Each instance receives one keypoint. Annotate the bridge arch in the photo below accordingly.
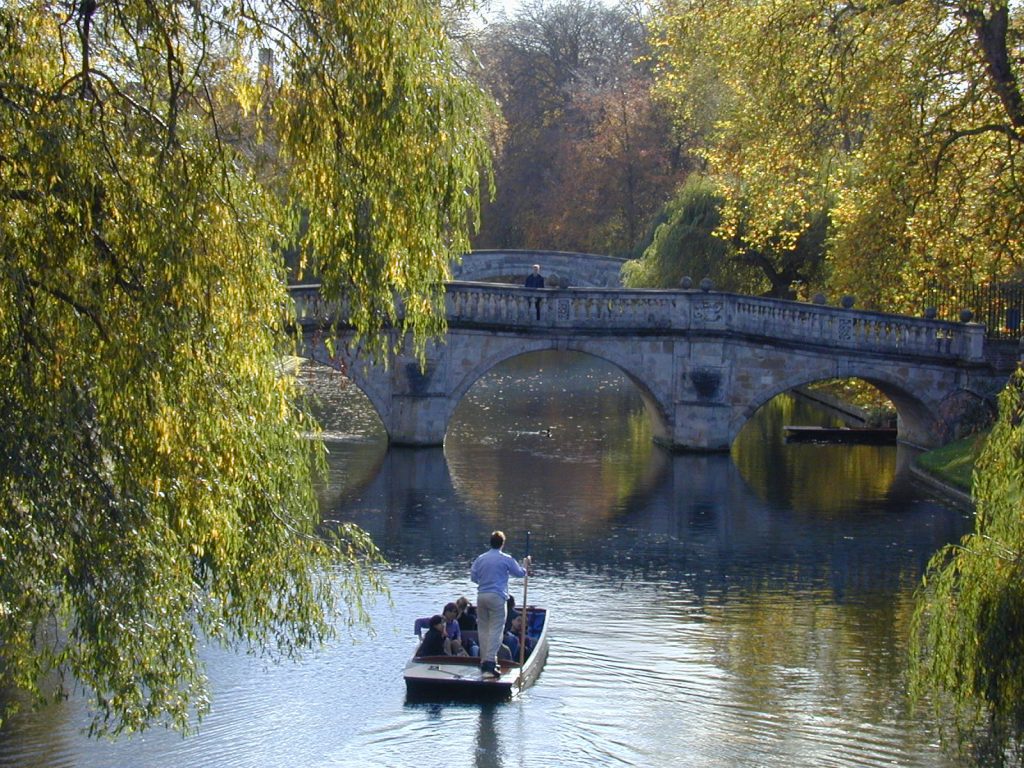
(658, 408)
(368, 381)
(655, 409)
(348, 364)
(921, 421)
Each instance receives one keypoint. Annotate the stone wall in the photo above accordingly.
(560, 268)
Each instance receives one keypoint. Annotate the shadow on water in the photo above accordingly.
(489, 748)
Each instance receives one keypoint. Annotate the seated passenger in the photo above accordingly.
(435, 642)
(450, 614)
(512, 638)
(510, 612)
(467, 615)
(420, 626)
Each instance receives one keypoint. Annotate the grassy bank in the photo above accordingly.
(954, 463)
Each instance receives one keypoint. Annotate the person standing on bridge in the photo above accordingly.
(535, 280)
(490, 573)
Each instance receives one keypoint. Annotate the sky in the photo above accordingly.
(511, 6)
(497, 6)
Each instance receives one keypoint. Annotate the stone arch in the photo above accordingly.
(652, 404)
(918, 422)
(343, 361)
(658, 410)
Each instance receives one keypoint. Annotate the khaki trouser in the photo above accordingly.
(490, 622)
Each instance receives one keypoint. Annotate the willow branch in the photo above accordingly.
(82, 309)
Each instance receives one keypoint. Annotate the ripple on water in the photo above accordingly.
(707, 612)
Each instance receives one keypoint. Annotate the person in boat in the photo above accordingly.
(491, 572)
(435, 642)
(467, 614)
(513, 635)
(510, 612)
(451, 622)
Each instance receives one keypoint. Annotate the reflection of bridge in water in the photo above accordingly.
(696, 519)
(703, 361)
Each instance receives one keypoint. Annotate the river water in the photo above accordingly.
(744, 609)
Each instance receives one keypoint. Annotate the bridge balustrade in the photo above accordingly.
(647, 312)
(854, 329)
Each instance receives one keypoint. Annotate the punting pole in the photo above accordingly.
(524, 616)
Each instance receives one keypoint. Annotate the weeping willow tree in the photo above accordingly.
(967, 648)
(685, 243)
(155, 475)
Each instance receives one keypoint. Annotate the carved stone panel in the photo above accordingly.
(706, 381)
(563, 308)
(708, 311)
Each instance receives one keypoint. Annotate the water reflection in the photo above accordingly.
(488, 752)
(815, 478)
(552, 434)
(708, 610)
(696, 522)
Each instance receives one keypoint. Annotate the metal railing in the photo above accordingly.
(998, 306)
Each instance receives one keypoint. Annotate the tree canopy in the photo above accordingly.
(689, 240)
(899, 124)
(155, 467)
(898, 127)
(967, 648)
(587, 156)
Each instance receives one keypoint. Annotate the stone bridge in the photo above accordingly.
(584, 270)
(703, 362)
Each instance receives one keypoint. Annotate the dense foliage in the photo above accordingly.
(896, 130)
(689, 239)
(155, 466)
(968, 642)
(685, 243)
(586, 154)
(899, 125)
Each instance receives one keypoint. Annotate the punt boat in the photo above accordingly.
(458, 677)
(862, 435)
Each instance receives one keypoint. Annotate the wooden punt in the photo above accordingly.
(862, 435)
(458, 677)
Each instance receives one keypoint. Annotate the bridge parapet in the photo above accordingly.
(579, 269)
(646, 312)
(666, 311)
(855, 329)
(584, 309)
